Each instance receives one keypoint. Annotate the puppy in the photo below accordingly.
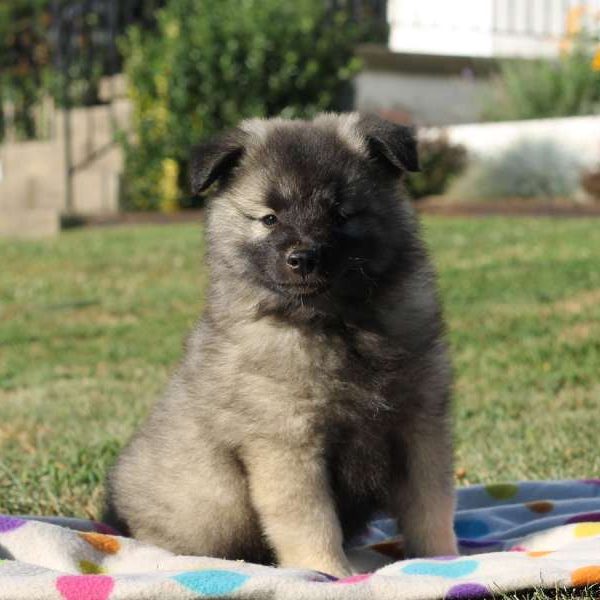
(315, 389)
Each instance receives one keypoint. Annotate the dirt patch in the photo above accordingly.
(575, 304)
(143, 218)
(435, 205)
(439, 205)
(579, 332)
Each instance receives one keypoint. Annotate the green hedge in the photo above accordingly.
(534, 89)
(441, 162)
(24, 56)
(215, 62)
(28, 71)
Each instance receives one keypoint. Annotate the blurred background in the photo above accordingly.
(100, 102)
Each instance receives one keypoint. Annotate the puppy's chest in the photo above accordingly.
(317, 370)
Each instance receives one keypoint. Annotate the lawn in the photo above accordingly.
(92, 323)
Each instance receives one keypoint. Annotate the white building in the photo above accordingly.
(437, 65)
(487, 28)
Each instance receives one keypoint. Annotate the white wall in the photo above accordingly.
(459, 27)
(482, 27)
(580, 134)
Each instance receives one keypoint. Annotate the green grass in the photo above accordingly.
(92, 323)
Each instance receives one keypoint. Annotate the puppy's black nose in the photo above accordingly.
(303, 261)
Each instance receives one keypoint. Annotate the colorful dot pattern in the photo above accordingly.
(540, 507)
(89, 568)
(530, 532)
(471, 528)
(88, 587)
(10, 523)
(586, 576)
(212, 582)
(101, 542)
(360, 578)
(586, 530)
(448, 570)
(462, 591)
(502, 491)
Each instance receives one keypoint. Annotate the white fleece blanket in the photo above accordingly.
(512, 537)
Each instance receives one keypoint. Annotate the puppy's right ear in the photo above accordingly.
(215, 159)
(395, 144)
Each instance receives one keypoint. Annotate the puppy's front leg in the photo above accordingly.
(291, 494)
(424, 498)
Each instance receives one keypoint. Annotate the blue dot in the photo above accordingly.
(471, 528)
(450, 569)
(211, 582)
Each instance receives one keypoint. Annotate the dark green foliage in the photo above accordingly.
(24, 57)
(568, 85)
(215, 62)
(27, 64)
(440, 161)
(28, 59)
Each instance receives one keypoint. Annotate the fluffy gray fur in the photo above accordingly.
(305, 401)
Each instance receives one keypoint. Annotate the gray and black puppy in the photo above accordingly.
(315, 389)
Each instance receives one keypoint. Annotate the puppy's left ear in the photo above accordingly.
(396, 144)
(215, 159)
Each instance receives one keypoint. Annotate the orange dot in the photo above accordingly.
(539, 553)
(586, 575)
(104, 543)
(540, 506)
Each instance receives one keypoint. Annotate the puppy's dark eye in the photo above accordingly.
(269, 220)
(342, 217)
(339, 218)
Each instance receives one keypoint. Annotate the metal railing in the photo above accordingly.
(83, 36)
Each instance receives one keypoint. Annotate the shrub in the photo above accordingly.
(527, 169)
(28, 58)
(214, 62)
(24, 58)
(441, 161)
(533, 89)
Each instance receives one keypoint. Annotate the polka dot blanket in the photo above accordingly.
(512, 537)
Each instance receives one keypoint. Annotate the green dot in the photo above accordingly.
(502, 491)
(90, 568)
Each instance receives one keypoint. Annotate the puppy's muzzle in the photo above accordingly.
(302, 261)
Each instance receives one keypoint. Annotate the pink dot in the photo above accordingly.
(90, 587)
(354, 578)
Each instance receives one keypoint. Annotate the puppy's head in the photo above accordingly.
(309, 209)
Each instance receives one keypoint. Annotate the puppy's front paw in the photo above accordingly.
(443, 544)
(338, 569)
